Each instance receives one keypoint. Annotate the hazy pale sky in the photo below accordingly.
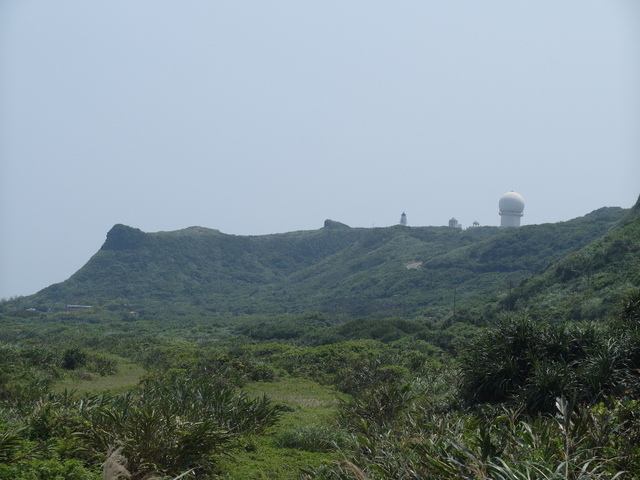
(257, 117)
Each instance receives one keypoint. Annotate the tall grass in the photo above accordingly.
(314, 438)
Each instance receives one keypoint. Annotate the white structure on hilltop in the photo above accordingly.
(403, 219)
(454, 223)
(511, 206)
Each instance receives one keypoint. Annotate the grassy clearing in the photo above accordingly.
(311, 402)
(269, 462)
(262, 459)
(128, 375)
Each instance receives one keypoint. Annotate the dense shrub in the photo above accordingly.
(531, 363)
(73, 358)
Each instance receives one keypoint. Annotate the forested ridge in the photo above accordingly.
(501, 354)
(336, 269)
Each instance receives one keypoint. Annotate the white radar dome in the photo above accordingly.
(511, 202)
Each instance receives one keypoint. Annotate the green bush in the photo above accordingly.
(47, 470)
(73, 358)
(525, 362)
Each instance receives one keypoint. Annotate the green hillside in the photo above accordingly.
(372, 275)
(588, 283)
(352, 271)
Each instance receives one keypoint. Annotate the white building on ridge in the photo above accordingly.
(511, 206)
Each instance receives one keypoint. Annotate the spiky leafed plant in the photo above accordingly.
(9, 442)
(169, 428)
(227, 408)
(604, 371)
(630, 308)
(499, 361)
(379, 405)
(546, 382)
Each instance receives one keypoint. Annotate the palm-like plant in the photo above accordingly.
(172, 426)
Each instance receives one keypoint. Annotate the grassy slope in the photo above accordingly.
(128, 375)
(589, 283)
(312, 404)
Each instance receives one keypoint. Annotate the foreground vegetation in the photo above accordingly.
(383, 399)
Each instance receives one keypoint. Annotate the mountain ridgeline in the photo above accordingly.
(392, 271)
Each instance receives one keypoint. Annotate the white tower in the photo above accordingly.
(511, 207)
(403, 219)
